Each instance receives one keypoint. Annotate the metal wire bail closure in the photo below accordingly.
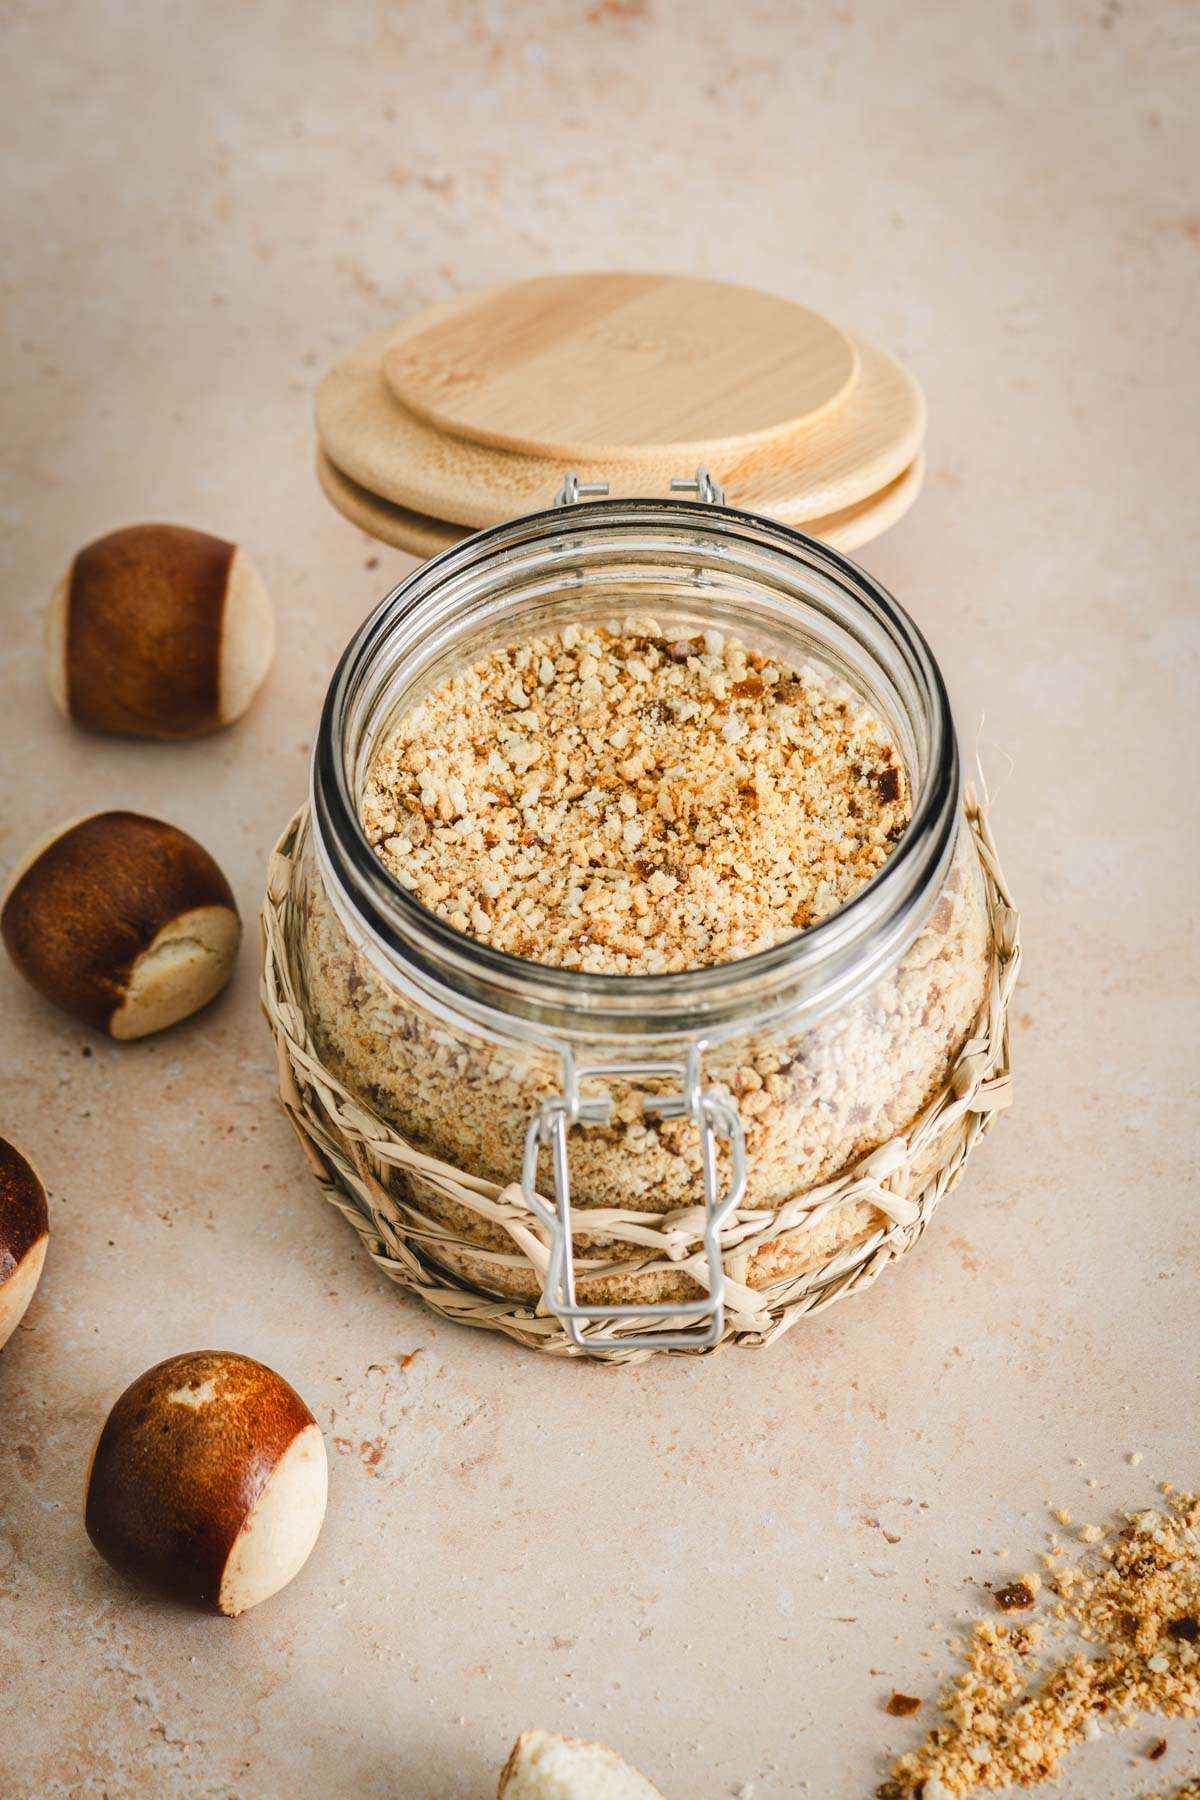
(715, 1117)
(701, 484)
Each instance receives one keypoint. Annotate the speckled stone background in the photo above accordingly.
(723, 1567)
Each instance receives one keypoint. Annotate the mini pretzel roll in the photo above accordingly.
(158, 631)
(208, 1482)
(122, 920)
(543, 1766)
(24, 1235)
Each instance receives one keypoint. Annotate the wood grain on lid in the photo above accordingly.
(419, 535)
(415, 533)
(846, 456)
(619, 365)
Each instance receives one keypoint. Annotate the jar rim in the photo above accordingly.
(848, 948)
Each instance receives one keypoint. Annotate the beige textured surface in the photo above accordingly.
(693, 1563)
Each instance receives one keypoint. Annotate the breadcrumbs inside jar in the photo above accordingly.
(623, 802)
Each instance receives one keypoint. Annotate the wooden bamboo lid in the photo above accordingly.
(619, 367)
(413, 532)
(422, 536)
(469, 413)
(842, 457)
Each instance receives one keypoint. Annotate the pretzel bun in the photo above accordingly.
(543, 1766)
(123, 921)
(208, 1482)
(24, 1235)
(158, 631)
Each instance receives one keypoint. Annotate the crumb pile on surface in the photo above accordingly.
(1024, 1700)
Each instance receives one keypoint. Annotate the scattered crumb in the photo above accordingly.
(1016, 1597)
(1090, 1534)
(902, 1706)
(1134, 1457)
(1157, 1749)
(1027, 1696)
(1062, 1515)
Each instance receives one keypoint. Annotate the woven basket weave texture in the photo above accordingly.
(376, 1179)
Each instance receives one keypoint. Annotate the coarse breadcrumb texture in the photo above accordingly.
(543, 1766)
(1013, 1715)
(619, 801)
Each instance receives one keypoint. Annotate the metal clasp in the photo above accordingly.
(573, 490)
(701, 484)
(715, 1118)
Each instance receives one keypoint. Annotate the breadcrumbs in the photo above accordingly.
(1015, 1712)
(1016, 1597)
(621, 802)
(902, 1706)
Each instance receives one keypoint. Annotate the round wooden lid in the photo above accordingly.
(597, 367)
(422, 536)
(833, 462)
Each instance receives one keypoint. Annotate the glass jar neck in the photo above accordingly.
(699, 566)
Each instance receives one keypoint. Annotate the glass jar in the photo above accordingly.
(698, 1125)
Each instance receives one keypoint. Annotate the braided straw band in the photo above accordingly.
(376, 1179)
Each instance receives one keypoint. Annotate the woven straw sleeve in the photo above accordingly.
(855, 1129)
